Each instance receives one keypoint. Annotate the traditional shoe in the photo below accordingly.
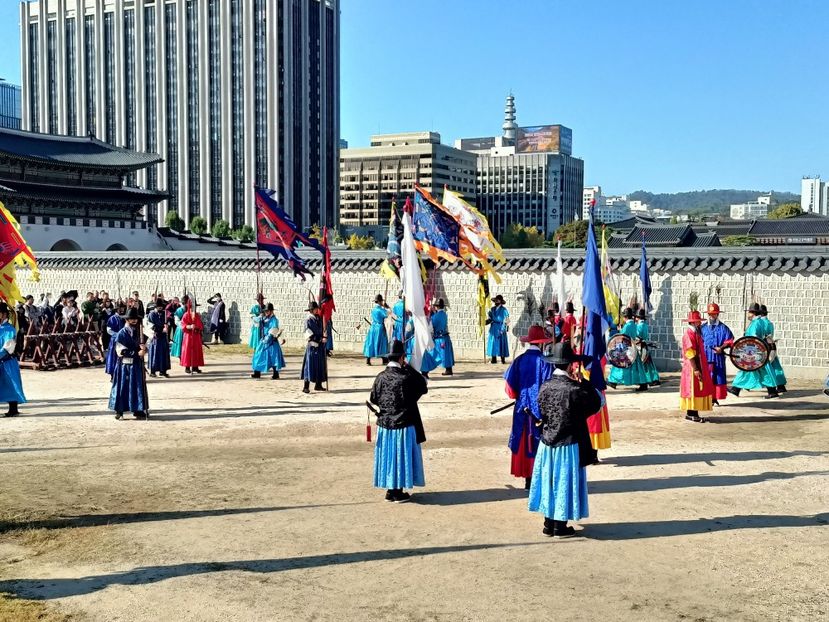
(187, 370)
(402, 497)
(448, 372)
(734, 391)
(152, 374)
(389, 495)
(493, 360)
(781, 388)
(696, 419)
(256, 374)
(119, 416)
(826, 392)
(306, 390)
(715, 402)
(548, 531)
(641, 388)
(527, 482)
(165, 375)
(771, 396)
(196, 370)
(140, 416)
(612, 385)
(275, 375)
(11, 414)
(656, 383)
(564, 532)
(368, 362)
(319, 387)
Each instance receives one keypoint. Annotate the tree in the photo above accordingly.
(739, 240)
(785, 210)
(243, 234)
(519, 236)
(316, 232)
(198, 225)
(174, 221)
(221, 229)
(574, 234)
(359, 242)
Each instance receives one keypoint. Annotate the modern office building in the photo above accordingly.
(591, 196)
(9, 105)
(814, 196)
(527, 175)
(753, 209)
(231, 93)
(372, 177)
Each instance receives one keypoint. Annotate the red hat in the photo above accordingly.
(694, 318)
(536, 334)
(713, 308)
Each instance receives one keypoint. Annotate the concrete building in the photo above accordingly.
(814, 195)
(591, 195)
(9, 105)
(638, 207)
(752, 209)
(231, 93)
(372, 177)
(527, 175)
(612, 209)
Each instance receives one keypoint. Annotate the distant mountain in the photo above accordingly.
(706, 200)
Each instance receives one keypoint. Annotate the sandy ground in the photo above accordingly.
(247, 500)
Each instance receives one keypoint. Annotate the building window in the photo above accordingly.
(215, 86)
(109, 78)
(34, 79)
(238, 110)
(71, 79)
(172, 108)
(52, 74)
(89, 70)
(193, 172)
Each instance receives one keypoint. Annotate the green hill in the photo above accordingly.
(706, 200)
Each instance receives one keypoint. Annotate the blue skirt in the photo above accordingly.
(158, 358)
(497, 344)
(398, 462)
(559, 484)
(629, 376)
(128, 391)
(178, 337)
(111, 358)
(314, 367)
(444, 351)
(11, 386)
(254, 340)
(776, 370)
(757, 380)
(377, 343)
(267, 356)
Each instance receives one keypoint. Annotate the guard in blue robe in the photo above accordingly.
(716, 336)
(377, 342)
(444, 353)
(178, 335)
(429, 360)
(158, 354)
(255, 316)
(497, 344)
(268, 353)
(11, 385)
(758, 379)
(114, 324)
(314, 365)
(774, 360)
(398, 311)
(635, 374)
(129, 387)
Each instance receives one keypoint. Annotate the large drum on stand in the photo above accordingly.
(620, 351)
(749, 353)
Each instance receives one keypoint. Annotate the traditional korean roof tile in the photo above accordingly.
(79, 194)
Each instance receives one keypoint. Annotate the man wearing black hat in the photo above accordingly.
(159, 346)
(774, 360)
(758, 379)
(570, 322)
(218, 319)
(497, 344)
(129, 388)
(554, 324)
(314, 365)
(559, 481)
(11, 385)
(398, 462)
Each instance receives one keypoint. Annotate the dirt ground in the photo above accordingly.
(247, 500)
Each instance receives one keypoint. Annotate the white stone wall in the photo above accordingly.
(798, 303)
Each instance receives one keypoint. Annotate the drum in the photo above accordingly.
(620, 351)
(749, 353)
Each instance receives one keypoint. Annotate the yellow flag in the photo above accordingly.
(13, 252)
(611, 297)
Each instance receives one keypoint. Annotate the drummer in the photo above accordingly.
(635, 374)
(717, 337)
(763, 377)
(643, 334)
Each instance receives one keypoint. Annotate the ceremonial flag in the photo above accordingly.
(645, 277)
(476, 240)
(595, 324)
(611, 298)
(435, 232)
(560, 280)
(279, 235)
(413, 295)
(326, 295)
(483, 302)
(390, 267)
(13, 252)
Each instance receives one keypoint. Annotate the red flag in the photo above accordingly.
(326, 296)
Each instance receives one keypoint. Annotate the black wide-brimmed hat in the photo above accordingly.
(569, 308)
(628, 313)
(499, 298)
(440, 304)
(160, 303)
(132, 314)
(269, 306)
(556, 308)
(378, 299)
(398, 350)
(562, 354)
(764, 310)
(312, 306)
(754, 308)
(4, 308)
(641, 313)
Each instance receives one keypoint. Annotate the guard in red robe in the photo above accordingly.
(570, 323)
(192, 348)
(696, 389)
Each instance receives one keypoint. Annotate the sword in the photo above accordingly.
(497, 410)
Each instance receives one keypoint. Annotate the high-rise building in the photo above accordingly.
(527, 175)
(9, 105)
(814, 195)
(372, 177)
(591, 196)
(231, 93)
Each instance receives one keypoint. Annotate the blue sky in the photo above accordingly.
(661, 95)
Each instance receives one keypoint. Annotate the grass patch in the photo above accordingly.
(14, 609)
(233, 349)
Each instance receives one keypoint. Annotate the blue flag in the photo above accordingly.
(595, 313)
(645, 277)
(436, 231)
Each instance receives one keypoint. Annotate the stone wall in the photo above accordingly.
(795, 287)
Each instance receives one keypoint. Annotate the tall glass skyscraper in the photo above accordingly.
(9, 105)
(232, 94)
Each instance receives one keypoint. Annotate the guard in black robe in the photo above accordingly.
(159, 346)
(314, 365)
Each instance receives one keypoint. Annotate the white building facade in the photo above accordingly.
(591, 195)
(752, 209)
(613, 209)
(231, 93)
(814, 196)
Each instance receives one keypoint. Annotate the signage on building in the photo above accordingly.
(544, 138)
(806, 240)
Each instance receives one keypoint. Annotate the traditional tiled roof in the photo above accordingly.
(721, 259)
(710, 238)
(803, 225)
(629, 223)
(71, 151)
(79, 194)
(662, 235)
(207, 240)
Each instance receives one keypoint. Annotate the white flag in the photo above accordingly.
(413, 294)
(560, 280)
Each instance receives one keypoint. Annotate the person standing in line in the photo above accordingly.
(178, 336)
(170, 318)
(398, 461)
(554, 324)
(635, 374)
(717, 337)
(192, 346)
(643, 336)
(696, 389)
(268, 353)
(159, 346)
(314, 365)
(114, 324)
(497, 344)
(256, 314)
(445, 353)
(774, 359)
(138, 304)
(11, 384)
(218, 319)
(570, 323)
(129, 388)
(559, 479)
(377, 342)
(524, 378)
(398, 313)
(758, 379)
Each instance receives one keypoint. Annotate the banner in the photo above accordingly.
(13, 252)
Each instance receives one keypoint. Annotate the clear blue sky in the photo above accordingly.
(661, 95)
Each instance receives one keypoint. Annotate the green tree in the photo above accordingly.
(316, 232)
(359, 242)
(243, 234)
(739, 240)
(785, 210)
(174, 221)
(221, 229)
(518, 236)
(574, 234)
(198, 225)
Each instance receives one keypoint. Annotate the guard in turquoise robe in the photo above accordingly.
(758, 379)
(255, 317)
(497, 344)
(377, 342)
(774, 359)
(643, 334)
(429, 362)
(444, 352)
(11, 385)
(268, 352)
(397, 311)
(635, 374)
(178, 336)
